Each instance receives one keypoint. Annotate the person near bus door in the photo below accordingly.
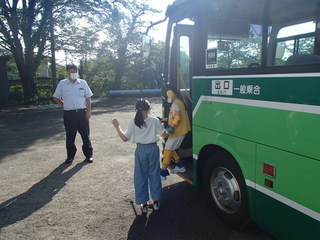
(144, 130)
(178, 127)
(74, 95)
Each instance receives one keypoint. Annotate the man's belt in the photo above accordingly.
(76, 110)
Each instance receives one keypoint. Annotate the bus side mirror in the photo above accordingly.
(280, 51)
(146, 45)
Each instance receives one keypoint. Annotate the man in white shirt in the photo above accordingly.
(74, 95)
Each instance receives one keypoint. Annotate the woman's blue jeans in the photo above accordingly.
(147, 173)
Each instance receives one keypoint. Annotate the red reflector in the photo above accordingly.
(269, 170)
(268, 183)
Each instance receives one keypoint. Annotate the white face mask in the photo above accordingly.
(169, 100)
(74, 75)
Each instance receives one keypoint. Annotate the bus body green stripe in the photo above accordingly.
(256, 103)
(260, 76)
(283, 222)
(261, 125)
(287, 88)
(307, 211)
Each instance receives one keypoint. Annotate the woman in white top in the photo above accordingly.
(144, 130)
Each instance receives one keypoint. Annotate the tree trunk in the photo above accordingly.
(120, 68)
(117, 80)
(28, 76)
(29, 85)
(53, 54)
(81, 69)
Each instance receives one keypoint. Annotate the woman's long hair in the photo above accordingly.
(141, 105)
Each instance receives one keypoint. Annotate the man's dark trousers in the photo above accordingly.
(75, 121)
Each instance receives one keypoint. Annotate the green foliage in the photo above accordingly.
(146, 73)
(44, 91)
(61, 72)
(16, 93)
(25, 29)
(124, 25)
(77, 41)
(241, 54)
(116, 60)
(12, 69)
(141, 73)
(99, 75)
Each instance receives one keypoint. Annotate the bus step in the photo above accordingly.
(188, 174)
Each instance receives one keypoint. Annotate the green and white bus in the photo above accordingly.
(249, 71)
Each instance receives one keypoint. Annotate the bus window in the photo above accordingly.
(287, 48)
(306, 45)
(237, 52)
(184, 65)
(297, 29)
(298, 39)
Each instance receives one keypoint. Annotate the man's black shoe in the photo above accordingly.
(89, 159)
(69, 160)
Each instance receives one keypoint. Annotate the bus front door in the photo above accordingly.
(181, 78)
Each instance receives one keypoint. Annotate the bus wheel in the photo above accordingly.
(227, 190)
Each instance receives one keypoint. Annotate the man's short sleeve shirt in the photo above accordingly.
(74, 95)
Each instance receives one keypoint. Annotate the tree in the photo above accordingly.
(100, 75)
(124, 26)
(25, 28)
(78, 42)
(140, 74)
(146, 73)
(240, 53)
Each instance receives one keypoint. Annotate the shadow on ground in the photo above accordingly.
(40, 194)
(22, 126)
(185, 214)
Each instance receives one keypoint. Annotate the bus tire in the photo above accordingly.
(227, 191)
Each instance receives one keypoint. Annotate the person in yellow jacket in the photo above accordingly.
(178, 127)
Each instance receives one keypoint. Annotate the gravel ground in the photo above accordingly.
(43, 198)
